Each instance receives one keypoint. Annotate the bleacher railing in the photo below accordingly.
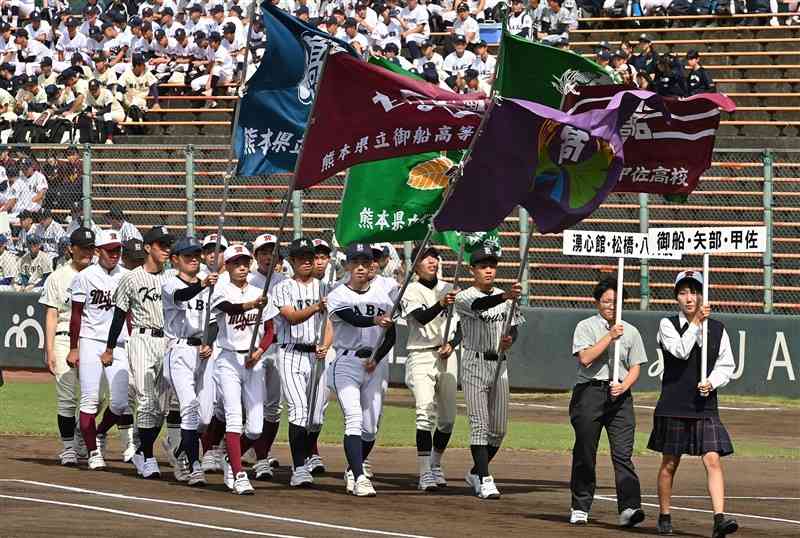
(181, 186)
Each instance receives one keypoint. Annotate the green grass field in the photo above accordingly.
(29, 409)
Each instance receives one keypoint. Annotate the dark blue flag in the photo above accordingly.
(278, 96)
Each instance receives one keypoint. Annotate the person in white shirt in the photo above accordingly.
(458, 61)
(70, 42)
(356, 40)
(519, 21)
(233, 43)
(387, 30)
(555, 22)
(36, 183)
(127, 231)
(103, 111)
(90, 21)
(466, 26)
(484, 63)
(168, 23)
(392, 54)
(366, 17)
(220, 68)
(39, 30)
(30, 53)
(429, 55)
(332, 27)
(414, 21)
(49, 231)
(138, 83)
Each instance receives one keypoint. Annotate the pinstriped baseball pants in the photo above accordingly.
(295, 368)
(487, 405)
(146, 356)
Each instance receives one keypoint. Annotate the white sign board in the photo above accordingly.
(692, 240)
(611, 245)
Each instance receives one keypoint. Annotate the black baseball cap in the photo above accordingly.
(147, 12)
(158, 234)
(21, 32)
(430, 250)
(186, 245)
(301, 247)
(229, 28)
(692, 54)
(134, 249)
(34, 239)
(115, 212)
(217, 9)
(603, 54)
(167, 11)
(379, 251)
(214, 36)
(82, 237)
(25, 214)
(484, 252)
(604, 45)
(460, 39)
(644, 38)
(358, 251)
(73, 22)
(462, 7)
(300, 11)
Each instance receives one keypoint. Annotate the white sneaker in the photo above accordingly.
(227, 475)
(363, 487)
(96, 461)
(578, 517)
(127, 455)
(168, 448)
(197, 476)
(209, 462)
(100, 441)
(241, 486)
(262, 470)
(150, 469)
(367, 469)
(69, 458)
(488, 489)
(138, 462)
(350, 481)
(315, 465)
(182, 471)
(630, 517)
(427, 482)
(301, 478)
(438, 476)
(474, 482)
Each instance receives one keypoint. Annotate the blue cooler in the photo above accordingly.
(491, 32)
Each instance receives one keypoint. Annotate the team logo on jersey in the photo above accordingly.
(368, 310)
(149, 294)
(241, 321)
(101, 299)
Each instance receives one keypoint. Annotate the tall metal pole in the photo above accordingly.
(456, 282)
(86, 186)
(524, 232)
(190, 218)
(297, 213)
(768, 158)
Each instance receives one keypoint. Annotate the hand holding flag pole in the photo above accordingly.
(316, 370)
(456, 281)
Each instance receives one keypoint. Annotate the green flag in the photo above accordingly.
(541, 73)
(471, 241)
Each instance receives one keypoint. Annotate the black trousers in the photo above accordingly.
(590, 410)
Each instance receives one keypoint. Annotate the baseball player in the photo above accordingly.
(209, 248)
(92, 312)
(184, 316)
(139, 294)
(358, 312)
(301, 301)
(431, 368)
(58, 308)
(483, 309)
(263, 247)
(238, 372)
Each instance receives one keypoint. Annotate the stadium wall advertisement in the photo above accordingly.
(766, 348)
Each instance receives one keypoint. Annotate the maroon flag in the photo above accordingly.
(366, 113)
(660, 157)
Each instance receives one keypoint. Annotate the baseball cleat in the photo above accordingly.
(262, 470)
(138, 462)
(96, 461)
(488, 489)
(474, 482)
(578, 517)
(350, 481)
(100, 441)
(438, 476)
(664, 525)
(227, 475)
(367, 469)
(168, 448)
(427, 482)
(69, 458)
(127, 455)
(209, 462)
(724, 527)
(273, 462)
(197, 477)
(630, 517)
(314, 465)
(301, 478)
(182, 471)
(241, 485)
(150, 469)
(363, 487)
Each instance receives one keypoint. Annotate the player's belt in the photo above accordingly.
(487, 355)
(363, 353)
(62, 333)
(157, 333)
(191, 341)
(302, 348)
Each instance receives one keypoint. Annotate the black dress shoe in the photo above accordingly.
(664, 525)
(724, 526)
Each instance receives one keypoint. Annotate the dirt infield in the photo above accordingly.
(35, 499)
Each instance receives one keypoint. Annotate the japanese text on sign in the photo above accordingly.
(709, 240)
(611, 244)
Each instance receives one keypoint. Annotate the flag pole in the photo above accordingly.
(704, 348)
(456, 278)
(287, 201)
(226, 179)
(617, 347)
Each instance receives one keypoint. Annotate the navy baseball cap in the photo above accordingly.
(359, 251)
(187, 245)
(485, 252)
(34, 240)
(430, 250)
(3, 239)
(158, 234)
(82, 237)
(134, 249)
(379, 251)
(301, 247)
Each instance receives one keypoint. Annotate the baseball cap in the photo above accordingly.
(45, 213)
(72, 22)
(180, 33)
(697, 276)
(76, 207)
(147, 12)
(82, 237)
(159, 34)
(94, 84)
(47, 60)
(214, 36)
(167, 11)
(264, 239)
(484, 252)
(35, 15)
(158, 234)
(25, 214)
(236, 251)
(134, 249)
(603, 55)
(235, 9)
(350, 23)
(115, 212)
(186, 245)
(301, 10)
(604, 45)
(459, 39)
(379, 250)
(135, 21)
(34, 239)
(108, 239)
(300, 247)
(229, 28)
(217, 9)
(692, 54)
(211, 239)
(21, 32)
(320, 245)
(462, 7)
(358, 251)
(7, 67)
(644, 38)
(481, 44)
(391, 47)
(3, 239)
(430, 250)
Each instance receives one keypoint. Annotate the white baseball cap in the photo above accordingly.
(211, 239)
(694, 275)
(236, 251)
(264, 239)
(319, 244)
(108, 239)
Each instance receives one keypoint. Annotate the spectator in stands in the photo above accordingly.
(34, 266)
(392, 53)
(697, 78)
(645, 60)
(387, 29)
(619, 61)
(484, 64)
(9, 264)
(519, 20)
(76, 219)
(604, 59)
(555, 22)
(65, 179)
(356, 40)
(133, 254)
(366, 17)
(138, 83)
(220, 69)
(36, 182)
(29, 53)
(126, 230)
(103, 113)
(667, 81)
(458, 61)
(70, 42)
(643, 81)
(466, 26)
(63, 254)
(46, 74)
(24, 232)
(475, 84)
(414, 22)
(17, 197)
(39, 29)
(49, 231)
(429, 55)
(6, 77)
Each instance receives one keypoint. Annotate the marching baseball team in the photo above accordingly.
(176, 343)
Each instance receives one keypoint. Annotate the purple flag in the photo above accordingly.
(559, 167)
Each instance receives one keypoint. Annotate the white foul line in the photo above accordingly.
(777, 519)
(146, 516)
(216, 509)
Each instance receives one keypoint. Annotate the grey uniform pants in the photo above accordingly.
(487, 404)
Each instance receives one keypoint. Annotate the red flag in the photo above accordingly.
(366, 113)
(660, 157)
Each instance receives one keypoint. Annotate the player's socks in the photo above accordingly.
(492, 451)
(354, 454)
(313, 437)
(480, 455)
(366, 448)
(108, 421)
(147, 438)
(233, 441)
(190, 445)
(174, 429)
(424, 446)
(298, 444)
(213, 434)
(66, 427)
(89, 431)
(269, 433)
(440, 442)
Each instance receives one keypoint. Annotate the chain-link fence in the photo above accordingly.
(182, 187)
